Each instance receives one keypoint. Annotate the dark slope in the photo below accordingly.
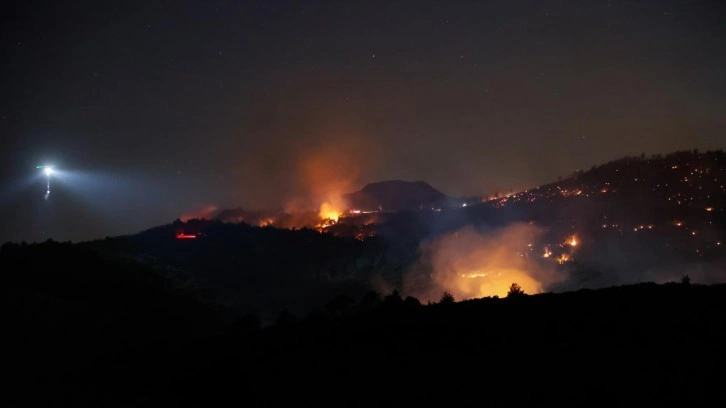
(633, 345)
(68, 309)
(257, 270)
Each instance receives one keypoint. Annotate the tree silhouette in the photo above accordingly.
(515, 290)
(446, 298)
(411, 301)
(394, 299)
(339, 305)
(370, 300)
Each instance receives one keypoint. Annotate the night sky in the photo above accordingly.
(154, 110)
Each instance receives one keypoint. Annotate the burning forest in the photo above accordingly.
(633, 219)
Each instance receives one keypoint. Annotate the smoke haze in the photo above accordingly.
(470, 264)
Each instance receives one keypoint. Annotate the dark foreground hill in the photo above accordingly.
(88, 330)
(259, 270)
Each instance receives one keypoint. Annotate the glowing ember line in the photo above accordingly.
(475, 275)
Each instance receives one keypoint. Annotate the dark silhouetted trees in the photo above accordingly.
(446, 298)
(515, 290)
(394, 299)
(339, 305)
(371, 300)
(411, 301)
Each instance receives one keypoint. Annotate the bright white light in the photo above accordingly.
(48, 171)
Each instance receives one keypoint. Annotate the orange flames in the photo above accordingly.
(572, 241)
(329, 212)
(325, 174)
(566, 256)
(266, 222)
(563, 258)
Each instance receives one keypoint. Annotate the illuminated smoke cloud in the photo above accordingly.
(474, 264)
(325, 174)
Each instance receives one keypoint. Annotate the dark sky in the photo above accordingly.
(155, 109)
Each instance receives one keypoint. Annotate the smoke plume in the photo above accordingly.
(470, 264)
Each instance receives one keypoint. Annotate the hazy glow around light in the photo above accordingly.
(48, 170)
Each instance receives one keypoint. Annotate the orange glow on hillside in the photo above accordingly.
(325, 174)
(266, 222)
(181, 235)
(494, 282)
(329, 212)
(206, 212)
(472, 264)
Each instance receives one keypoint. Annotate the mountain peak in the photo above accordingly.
(395, 195)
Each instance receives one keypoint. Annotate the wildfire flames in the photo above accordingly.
(266, 222)
(563, 258)
(322, 175)
(329, 212)
(568, 247)
(325, 173)
(572, 241)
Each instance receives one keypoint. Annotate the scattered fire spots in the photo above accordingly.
(266, 222)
